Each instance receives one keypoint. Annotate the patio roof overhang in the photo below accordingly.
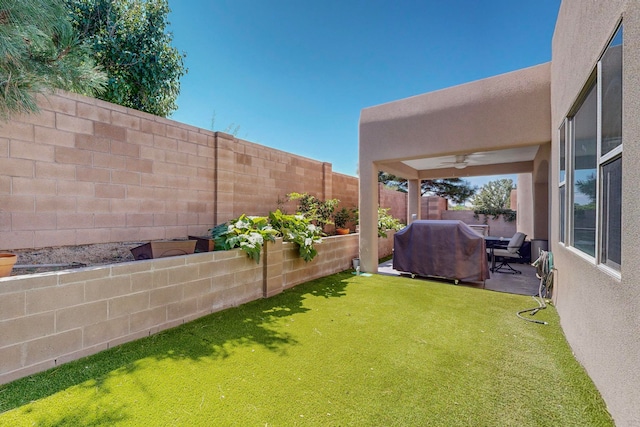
(488, 127)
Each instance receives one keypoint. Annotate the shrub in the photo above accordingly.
(387, 222)
(246, 232)
(314, 209)
(299, 230)
(250, 232)
(341, 218)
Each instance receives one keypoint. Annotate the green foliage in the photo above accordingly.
(314, 209)
(588, 187)
(342, 217)
(299, 230)
(386, 222)
(40, 52)
(508, 214)
(494, 195)
(250, 232)
(131, 43)
(245, 232)
(455, 189)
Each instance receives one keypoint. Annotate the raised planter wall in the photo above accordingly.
(51, 318)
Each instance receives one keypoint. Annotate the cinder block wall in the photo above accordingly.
(334, 254)
(86, 171)
(51, 318)
(497, 227)
(432, 207)
(395, 200)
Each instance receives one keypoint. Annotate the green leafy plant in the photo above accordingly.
(299, 230)
(342, 217)
(508, 214)
(250, 232)
(41, 52)
(386, 222)
(314, 209)
(131, 42)
(245, 232)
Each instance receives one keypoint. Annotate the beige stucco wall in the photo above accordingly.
(524, 204)
(598, 311)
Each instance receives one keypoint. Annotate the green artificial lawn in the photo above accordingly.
(341, 350)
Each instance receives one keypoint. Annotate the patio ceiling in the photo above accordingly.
(507, 161)
(487, 127)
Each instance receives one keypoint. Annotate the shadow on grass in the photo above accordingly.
(214, 337)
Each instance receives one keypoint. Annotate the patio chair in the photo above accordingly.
(509, 253)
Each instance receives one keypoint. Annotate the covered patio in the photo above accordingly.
(499, 125)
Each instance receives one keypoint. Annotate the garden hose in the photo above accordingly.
(544, 271)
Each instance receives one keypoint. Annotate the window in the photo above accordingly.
(590, 175)
(562, 192)
(611, 154)
(584, 162)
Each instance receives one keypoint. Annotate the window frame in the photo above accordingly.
(566, 130)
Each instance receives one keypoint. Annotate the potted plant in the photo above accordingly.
(340, 219)
(7, 260)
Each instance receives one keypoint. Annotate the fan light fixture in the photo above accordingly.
(460, 165)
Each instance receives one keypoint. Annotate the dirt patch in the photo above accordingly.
(52, 259)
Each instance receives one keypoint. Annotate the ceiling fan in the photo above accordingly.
(463, 160)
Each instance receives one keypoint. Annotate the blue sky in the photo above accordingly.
(295, 74)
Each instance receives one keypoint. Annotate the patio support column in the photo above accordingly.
(368, 217)
(414, 200)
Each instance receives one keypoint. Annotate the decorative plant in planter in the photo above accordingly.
(245, 232)
(386, 222)
(314, 209)
(340, 219)
(250, 232)
(299, 230)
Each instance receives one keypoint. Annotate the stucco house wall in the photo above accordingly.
(598, 311)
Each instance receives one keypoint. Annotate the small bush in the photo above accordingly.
(387, 222)
(299, 230)
(245, 232)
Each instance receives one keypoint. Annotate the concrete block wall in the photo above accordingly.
(334, 254)
(497, 227)
(51, 318)
(86, 171)
(345, 189)
(262, 175)
(432, 207)
(385, 246)
(395, 200)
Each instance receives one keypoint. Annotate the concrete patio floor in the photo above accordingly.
(522, 284)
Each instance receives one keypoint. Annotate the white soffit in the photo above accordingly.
(511, 155)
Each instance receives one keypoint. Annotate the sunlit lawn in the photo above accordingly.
(342, 350)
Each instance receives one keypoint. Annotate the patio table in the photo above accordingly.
(492, 242)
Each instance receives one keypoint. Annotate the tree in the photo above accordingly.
(494, 195)
(455, 189)
(40, 52)
(587, 187)
(131, 43)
